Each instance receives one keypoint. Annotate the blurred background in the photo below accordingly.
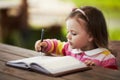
(21, 21)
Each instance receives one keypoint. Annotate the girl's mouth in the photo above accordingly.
(70, 43)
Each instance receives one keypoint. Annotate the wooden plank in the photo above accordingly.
(4, 56)
(95, 74)
(87, 75)
(80, 76)
(17, 50)
(110, 73)
(8, 77)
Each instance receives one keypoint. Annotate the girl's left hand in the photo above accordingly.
(89, 63)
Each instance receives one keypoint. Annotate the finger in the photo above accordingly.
(43, 44)
(40, 46)
(37, 45)
(38, 49)
(92, 64)
(87, 62)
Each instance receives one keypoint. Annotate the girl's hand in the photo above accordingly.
(89, 63)
(39, 45)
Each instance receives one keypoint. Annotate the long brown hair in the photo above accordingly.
(96, 24)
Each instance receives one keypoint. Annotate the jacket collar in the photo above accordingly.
(90, 52)
(95, 51)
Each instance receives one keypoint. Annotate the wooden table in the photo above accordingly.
(8, 52)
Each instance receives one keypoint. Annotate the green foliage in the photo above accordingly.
(110, 6)
(114, 34)
(100, 3)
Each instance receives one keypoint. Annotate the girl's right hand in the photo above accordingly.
(39, 45)
(89, 63)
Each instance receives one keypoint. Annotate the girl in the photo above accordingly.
(87, 39)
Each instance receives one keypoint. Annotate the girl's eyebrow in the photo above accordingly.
(72, 30)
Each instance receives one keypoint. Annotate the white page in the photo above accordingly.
(25, 62)
(60, 64)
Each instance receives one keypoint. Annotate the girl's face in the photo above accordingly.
(77, 35)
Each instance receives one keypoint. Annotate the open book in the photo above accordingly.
(55, 66)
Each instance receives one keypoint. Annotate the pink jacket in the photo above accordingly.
(101, 56)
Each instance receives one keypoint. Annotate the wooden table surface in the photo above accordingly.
(8, 52)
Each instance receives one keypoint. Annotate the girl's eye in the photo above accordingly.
(73, 33)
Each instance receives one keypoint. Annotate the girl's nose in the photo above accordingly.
(68, 36)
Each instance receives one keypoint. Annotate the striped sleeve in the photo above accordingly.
(54, 46)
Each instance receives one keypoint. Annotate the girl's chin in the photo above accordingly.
(72, 47)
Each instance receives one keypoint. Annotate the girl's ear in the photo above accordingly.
(90, 38)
